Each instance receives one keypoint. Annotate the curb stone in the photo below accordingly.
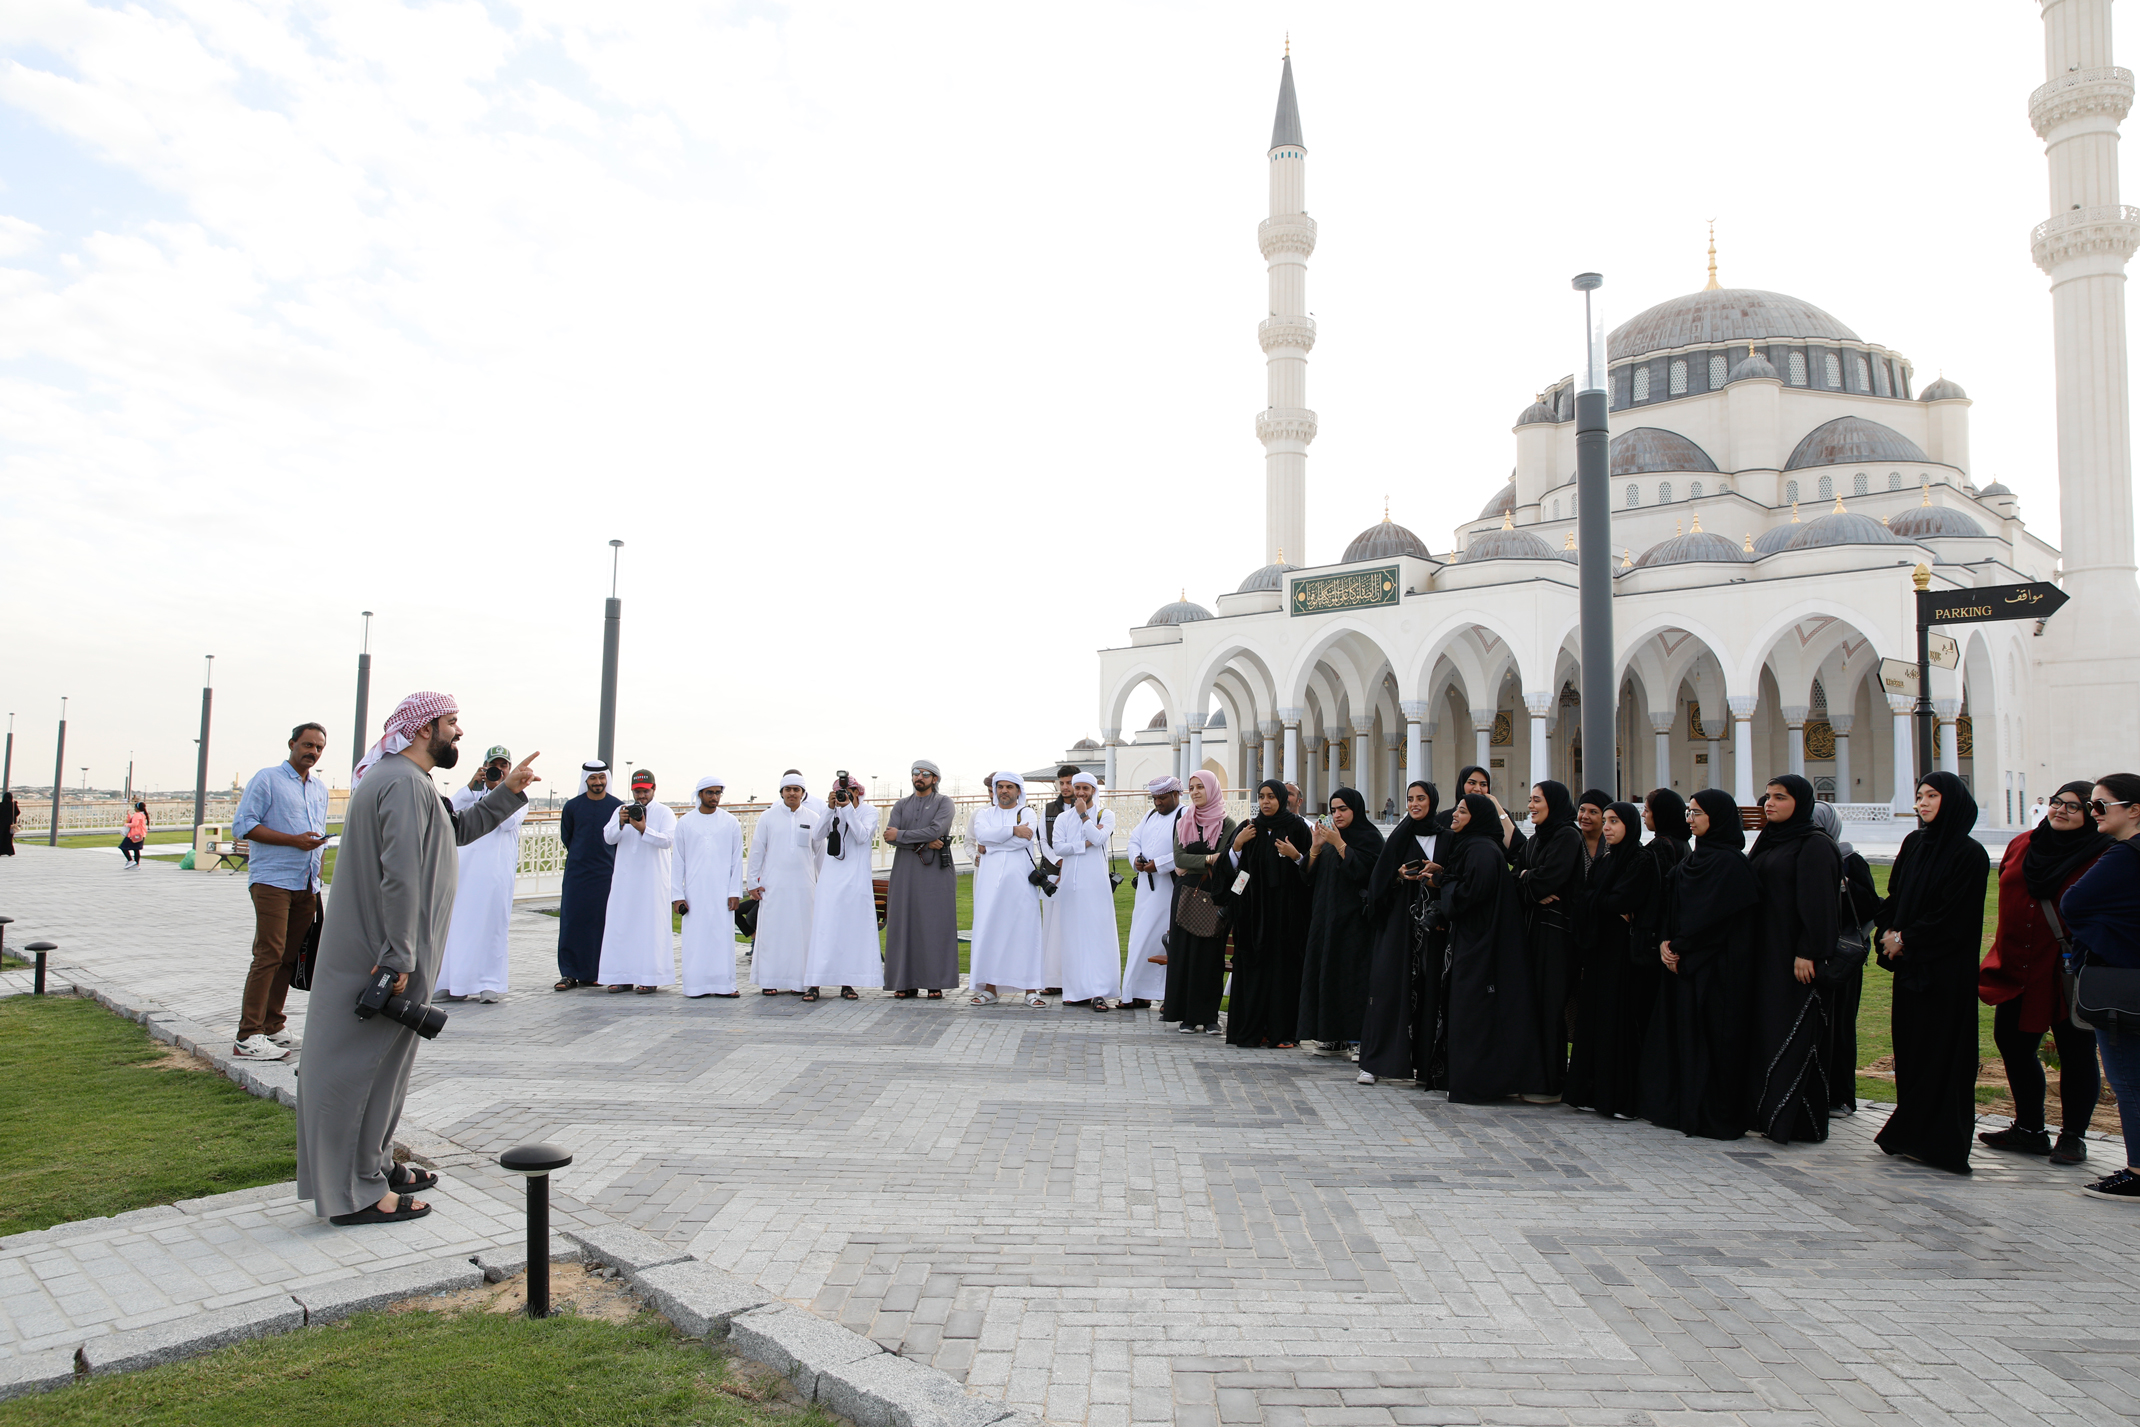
(797, 1345)
(624, 1249)
(341, 1297)
(193, 1334)
(36, 1372)
(697, 1297)
(890, 1391)
(501, 1264)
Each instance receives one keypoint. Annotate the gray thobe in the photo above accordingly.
(391, 902)
(921, 915)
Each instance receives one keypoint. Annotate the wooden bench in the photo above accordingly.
(231, 855)
(883, 888)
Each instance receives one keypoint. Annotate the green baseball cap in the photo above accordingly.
(497, 750)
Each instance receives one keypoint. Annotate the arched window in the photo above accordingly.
(1642, 384)
(1827, 487)
(1832, 368)
(1790, 492)
(1556, 510)
(1634, 495)
(1679, 377)
(1694, 492)
(1880, 386)
(1863, 370)
(1798, 369)
(1719, 369)
(1664, 492)
(1894, 480)
(1860, 483)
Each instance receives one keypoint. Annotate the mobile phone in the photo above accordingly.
(1417, 864)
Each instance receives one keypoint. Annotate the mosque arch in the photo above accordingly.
(1128, 683)
(1342, 644)
(1457, 638)
(1252, 662)
(1766, 636)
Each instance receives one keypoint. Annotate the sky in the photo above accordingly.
(911, 350)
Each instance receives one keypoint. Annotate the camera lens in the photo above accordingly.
(426, 1021)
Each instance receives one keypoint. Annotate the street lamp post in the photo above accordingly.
(7, 769)
(364, 692)
(200, 769)
(612, 625)
(59, 775)
(1594, 542)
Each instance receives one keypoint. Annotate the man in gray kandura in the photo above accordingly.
(394, 881)
(921, 916)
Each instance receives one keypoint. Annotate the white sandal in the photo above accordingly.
(983, 998)
(1035, 1000)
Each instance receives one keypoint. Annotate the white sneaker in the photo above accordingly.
(490, 998)
(285, 1040)
(259, 1048)
(1364, 1078)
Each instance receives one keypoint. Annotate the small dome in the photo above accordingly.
(1159, 720)
(1994, 491)
(1693, 546)
(1842, 527)
(1929, 521)
(1217, 720)
(1379, 542)
(1270, 577)
(1084, 743)
(1509, 544)
(1536, 413)
(1725, 314)
(1769, 541)
(1652, 448)
(1753, 364)
(1849, 440)
(1181, 611)
(1503, 502)
(1943, 390)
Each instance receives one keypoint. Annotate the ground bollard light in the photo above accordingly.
(40, 948)
(5, 923)
(536, 1162)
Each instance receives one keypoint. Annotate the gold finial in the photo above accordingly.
(1922, 577)
(1627, 557)
(1712, 284)
(1288, 44)
(1185, 594)
(1697, 524)
(1569, 543)
(1385, 507)
(1748, 545)
(1794, 512)
(1926, 487)
(1281, 554)
(1508, 520)
(1676, 530)
(1838, 505)
(1749, 349)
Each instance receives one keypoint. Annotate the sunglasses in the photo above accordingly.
(2100, 807)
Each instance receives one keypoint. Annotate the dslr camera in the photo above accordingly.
(378, 999)
(845, 789)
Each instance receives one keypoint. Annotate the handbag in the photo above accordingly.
(308, 950)
(1196, 911)
(1853, 939)
(2106, 999)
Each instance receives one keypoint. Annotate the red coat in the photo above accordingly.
(2023, 960)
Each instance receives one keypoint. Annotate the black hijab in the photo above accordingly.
(1714, 882)
(1401, 847)
(1463, 776)
(1669, 811)
(1615, 861)
(1485, 821)
(1937, 845)
(1798, 825)
(1290, 827)
(1560, 808)
(1363, 838)
(2053, 856)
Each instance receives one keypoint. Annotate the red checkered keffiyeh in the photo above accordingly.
(408, 716)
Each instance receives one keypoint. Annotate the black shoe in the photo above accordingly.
(2018, 1140)
(2070, 1149)
(2122, 1185)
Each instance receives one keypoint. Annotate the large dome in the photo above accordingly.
(1850, 441)
(1270, 577)
(1503, 502)
(1509, 544)
(1842, 527)
(1725, 314)
(1379, 542)
(1776, 537)
(1652, 448)
(1931, 521)
(1179, 612)
(1695, 545)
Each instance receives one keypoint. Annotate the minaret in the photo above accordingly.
(1285, 426)
(2090, 671)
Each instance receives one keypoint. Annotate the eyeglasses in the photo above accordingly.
(2067, 805)
(2101, 807)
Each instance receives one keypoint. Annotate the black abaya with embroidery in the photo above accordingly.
(1612, 1005)
(1405, 973)
(1341, 930)
(1694, 1062)
(1936, 900)
(1491, 1047)
(1270, 933)
(1800, 876)
(1550, 866)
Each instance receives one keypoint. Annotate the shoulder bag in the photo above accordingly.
(308, 950)
(2100, 998)
(1853, 939)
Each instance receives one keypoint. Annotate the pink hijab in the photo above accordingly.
(1207, 822)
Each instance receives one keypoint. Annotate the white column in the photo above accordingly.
(1414, 746)
(1311, 767)
(1196, 745)
(1362, 728)
(1539, 705)
(1715, 729)
(1742, 770)
(1112, 738)
(1843, 791)
(1905, 799)
(1482, 722)
(1333, 771)
(1661, 726)
(1945, 711)
(1794, 719)
(1268, 765)
(1290, 720)
(1426, 753)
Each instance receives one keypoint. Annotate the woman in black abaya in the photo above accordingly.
(1549, 878)
(1800, 877)
(1491, 1047)
(1694, 1076)
(1613, 1006)
(1341, 929)
(1931, 928)
(1405, 975)
(1270, 923)
(1471, 778)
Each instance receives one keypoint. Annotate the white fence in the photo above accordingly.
(81, 819)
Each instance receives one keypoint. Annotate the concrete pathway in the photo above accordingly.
(1104, 1221)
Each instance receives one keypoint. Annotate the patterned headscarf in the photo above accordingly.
(411, 714)
(1208, 821)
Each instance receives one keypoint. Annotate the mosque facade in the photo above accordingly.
(1776, 481)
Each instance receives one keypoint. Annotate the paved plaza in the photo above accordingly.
(1103, 1221)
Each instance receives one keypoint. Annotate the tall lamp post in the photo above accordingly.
(364, 692)
(7, 769)
(612, 625)
(59, 774)
(200, 769)
(1594, 552)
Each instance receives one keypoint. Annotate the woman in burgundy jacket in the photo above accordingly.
(2020, 977)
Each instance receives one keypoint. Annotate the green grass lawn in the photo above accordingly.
(157, 835)
(94, 1128)
(490, 1369)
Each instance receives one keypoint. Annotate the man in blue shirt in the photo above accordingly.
(283, 815)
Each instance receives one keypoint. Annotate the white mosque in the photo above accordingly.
(1776, 479)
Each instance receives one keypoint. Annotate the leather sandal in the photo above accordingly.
(405, 1207)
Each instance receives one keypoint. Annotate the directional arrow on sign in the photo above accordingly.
(2034, 600)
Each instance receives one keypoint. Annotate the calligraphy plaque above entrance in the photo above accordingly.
(1355, 589)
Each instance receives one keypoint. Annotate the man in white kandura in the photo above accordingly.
(475, 961)
(783, 880)
(708, 888)
(1007, 956)
(1151, 858)
(844, 950)
(638, 948)
(1085, 902)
